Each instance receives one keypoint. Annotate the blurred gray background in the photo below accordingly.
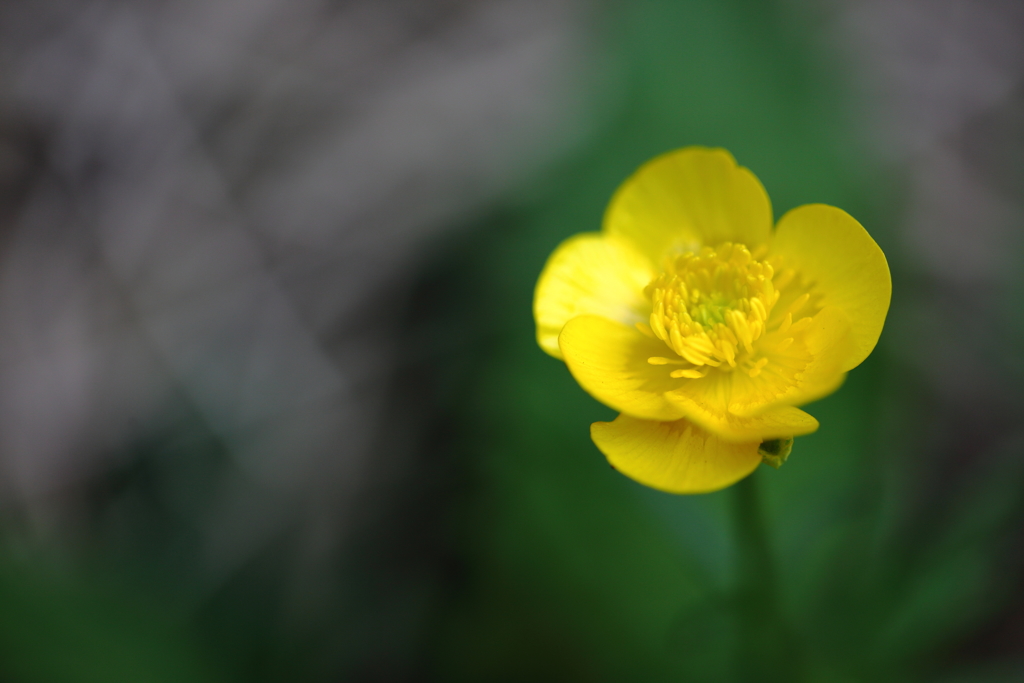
(217, 206)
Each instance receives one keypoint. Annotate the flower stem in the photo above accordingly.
(767, 648)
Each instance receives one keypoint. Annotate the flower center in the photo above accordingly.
(710, 307)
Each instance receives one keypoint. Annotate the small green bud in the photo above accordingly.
(775, 451)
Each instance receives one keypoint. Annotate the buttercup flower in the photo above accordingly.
(704, 327)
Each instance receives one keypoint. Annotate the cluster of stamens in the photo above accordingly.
(710, 307)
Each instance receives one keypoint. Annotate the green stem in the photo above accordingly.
(756, 569)
(767, 651)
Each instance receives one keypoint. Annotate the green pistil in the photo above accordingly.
(710, 313)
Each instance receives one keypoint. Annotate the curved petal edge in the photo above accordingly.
(688, 198)
(675, 457)
(838, 257)
(609, 360)
(589, 274)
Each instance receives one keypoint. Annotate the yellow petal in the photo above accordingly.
(689, 198)
(706, 402)
(677, 457)
(835, 254)
(804, 371)
(609, 360)
(590, 273)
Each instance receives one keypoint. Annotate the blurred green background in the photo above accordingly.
(497, 545)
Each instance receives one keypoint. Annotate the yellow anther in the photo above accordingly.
(728, 335)
(659, 360)
(756, 368)
(740, 326)
(676, 339)
(694, 356)
(701, 343)
(728, 351)
(691, 374)
(758, 308)
(658, 327)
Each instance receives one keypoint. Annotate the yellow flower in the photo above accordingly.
(704, 327)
